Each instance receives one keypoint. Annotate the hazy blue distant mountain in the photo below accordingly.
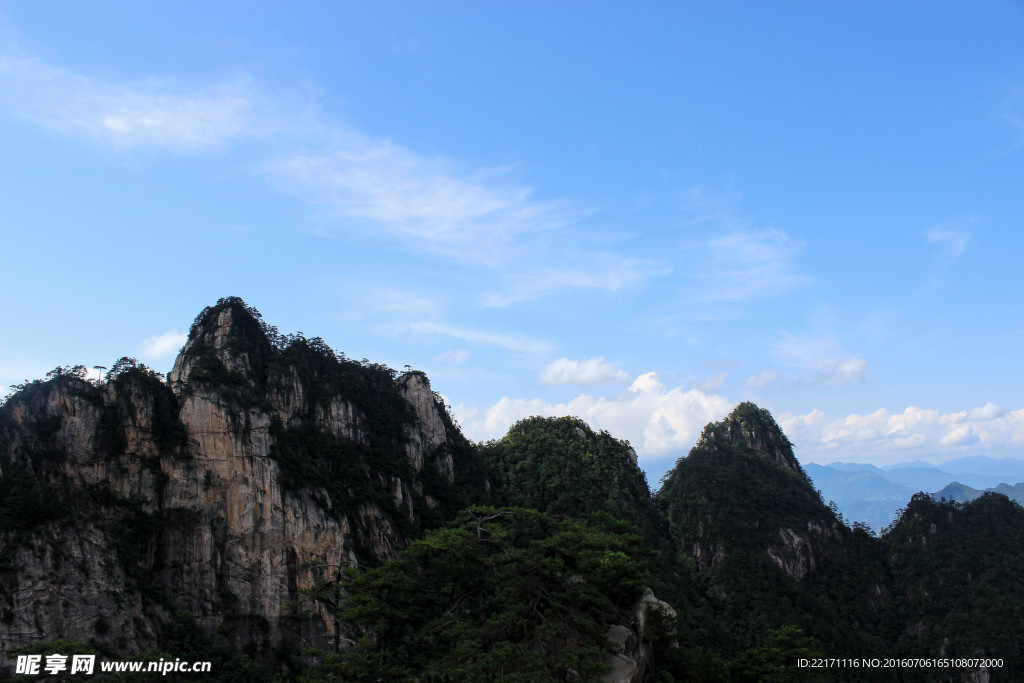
(865, 483)
(1015, 492)
(922, 478)
(962, 493)
(874, 495)
(977, 471)
(861, 492)
(909, 463)
(852, 466)
(1004, 469)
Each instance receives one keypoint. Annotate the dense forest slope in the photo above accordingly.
(284, 511)
(562, 467)
(742, 508)
(956, 575)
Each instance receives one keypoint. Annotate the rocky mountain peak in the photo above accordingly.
(228, 337)
(751, 427)
(741, 491)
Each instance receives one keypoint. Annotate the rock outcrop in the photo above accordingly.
(262, 466)
(802, 552)
(633, 658)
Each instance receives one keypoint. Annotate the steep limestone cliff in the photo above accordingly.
(262, 465)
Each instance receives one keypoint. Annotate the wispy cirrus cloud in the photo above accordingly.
(601, 271)
(151, 114)
(762, 379)
(728, 258)
(478, 218)
(350, 181)
(506, 340)
(482, 218)
(952, 238)
(1010, 111)
(843, 371)
(592, 371)
(340, 170)
(819, 358)
(454, 356)
(747, 264)
(426, 203)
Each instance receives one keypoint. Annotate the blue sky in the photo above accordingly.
(638, 213)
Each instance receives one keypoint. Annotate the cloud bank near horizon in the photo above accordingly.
(662, 421)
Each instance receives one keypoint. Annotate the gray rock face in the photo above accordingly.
(633, 657)
(428, 434)
(201, 522)
(219, 339)
(71, 584)
(801, 553)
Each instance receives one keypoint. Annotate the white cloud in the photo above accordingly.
(923, 430)
(952, 240)
(813, 352)
(960, 436)
(761, 379)
(162, 346)
(419, 199)
(479, 218)
(510, 341)
(593, 371)
(609, 272)
(655, 419)
(822, 356)
(728, 259)
(711, 383)
(660, 420)
(702, 204)
(454, 357)
(403, 302)
(148, 114)
(746, 264)
(844, 371)
(988, 411)
(1011, 113)
(358, 183)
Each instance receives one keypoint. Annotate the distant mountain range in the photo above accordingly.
(962, 493)
(874, 495)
